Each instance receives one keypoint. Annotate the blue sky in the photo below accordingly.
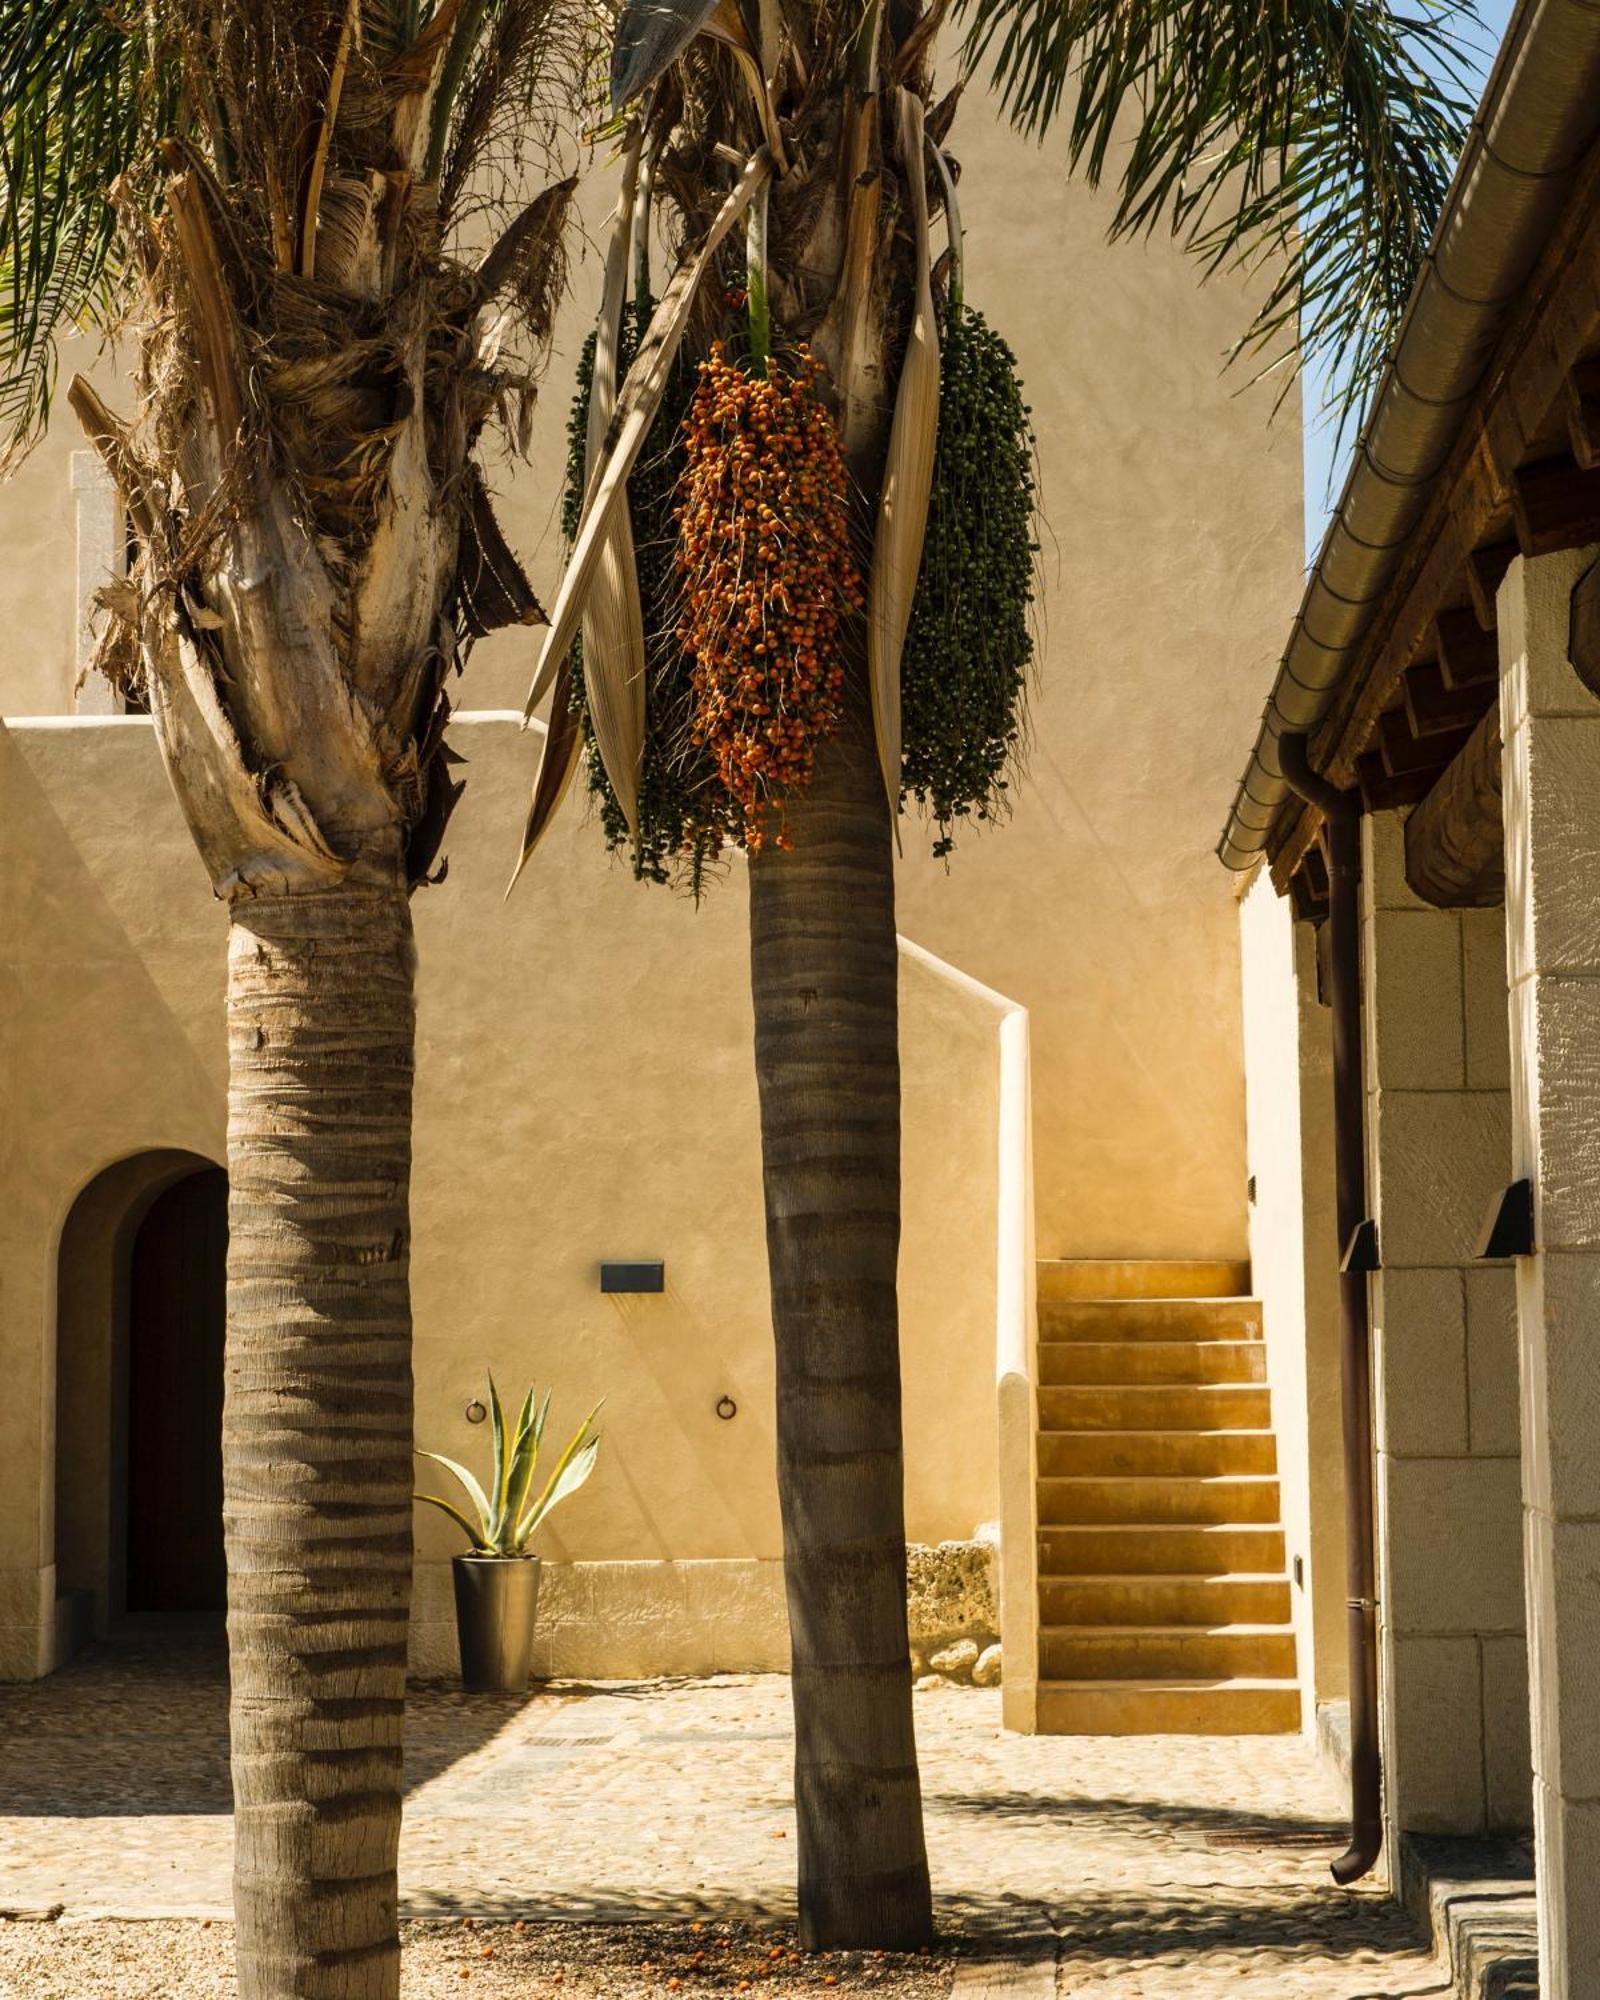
(1323, 477)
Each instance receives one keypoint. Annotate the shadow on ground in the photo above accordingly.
(138, 1725)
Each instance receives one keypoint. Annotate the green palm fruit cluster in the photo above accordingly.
(968, 652)
(964, 673)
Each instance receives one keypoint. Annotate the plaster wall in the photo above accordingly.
(1453, 1655)
(586, 1092)
(1170, 567)
(1294, 1269)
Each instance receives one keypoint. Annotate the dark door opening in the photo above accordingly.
(176, 1298)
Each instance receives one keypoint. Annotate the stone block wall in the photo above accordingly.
(1453, 1656)
(1550, 724)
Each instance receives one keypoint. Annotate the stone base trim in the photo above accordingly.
(1333, 1737)
(1476, 1897)
(627, 1620)
(27, 1623)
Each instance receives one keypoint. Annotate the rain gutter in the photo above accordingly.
(1539, 115)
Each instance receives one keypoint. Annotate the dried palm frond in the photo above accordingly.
(613, 612)
(314, 377)
(650, 36)
(558, 760)
(637, 403)
(908, 473)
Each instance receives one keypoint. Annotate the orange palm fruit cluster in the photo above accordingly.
(767, 579)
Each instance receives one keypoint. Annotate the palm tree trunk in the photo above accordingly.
(823, 978)
(317, 1433)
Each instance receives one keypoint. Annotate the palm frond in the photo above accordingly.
(650, 37)
(85, 92)
(1314, 138)
(505, 83)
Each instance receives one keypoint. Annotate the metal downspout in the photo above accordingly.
(1341, 814)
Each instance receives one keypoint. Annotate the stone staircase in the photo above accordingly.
(1163, 1599)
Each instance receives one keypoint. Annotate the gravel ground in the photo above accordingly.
(610, 1819)
(538, 1961)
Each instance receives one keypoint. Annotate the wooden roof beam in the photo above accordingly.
(1583, 643)
(1455, 841)
(1462, 541)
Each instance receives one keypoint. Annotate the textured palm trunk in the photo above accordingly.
(317, 1432)
(823, 979)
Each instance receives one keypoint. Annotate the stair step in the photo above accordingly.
(1150, 1319)
(1156, 1406)
(1116, 1549)
(1069, 1454)
(1127, 1362)
(1161, 1652)
(1140, 1278)
(1164, 1600)
(1169, 1708)
(1100, 1497)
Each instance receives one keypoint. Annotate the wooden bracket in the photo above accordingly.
(1485, 572)
(1434, 706)
(1580, 396)
(1467, 650)
(1403, 752)
(1555, 506)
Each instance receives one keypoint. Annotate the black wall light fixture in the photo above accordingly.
(1508, 1227)
(1361, 1252)
(634, 1277)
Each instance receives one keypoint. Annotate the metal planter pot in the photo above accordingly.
(497, 1604)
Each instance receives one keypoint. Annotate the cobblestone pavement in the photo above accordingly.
(1166, 1867)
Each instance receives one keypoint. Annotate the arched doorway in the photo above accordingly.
(139, 1321)
(176, 1287)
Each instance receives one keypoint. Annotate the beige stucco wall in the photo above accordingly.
(585, 1091)
(1294, 1267)
(1171, 565)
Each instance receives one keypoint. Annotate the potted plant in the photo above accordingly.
(497, 1580)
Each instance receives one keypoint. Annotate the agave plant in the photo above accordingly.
(507, 1517)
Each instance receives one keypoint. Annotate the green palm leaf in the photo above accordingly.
(85, 93)
(1316, 137)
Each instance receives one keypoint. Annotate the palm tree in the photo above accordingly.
(264, 193)
(1310, 140)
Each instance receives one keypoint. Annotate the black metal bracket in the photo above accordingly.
(1508, 1227)
(1361, 1252)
